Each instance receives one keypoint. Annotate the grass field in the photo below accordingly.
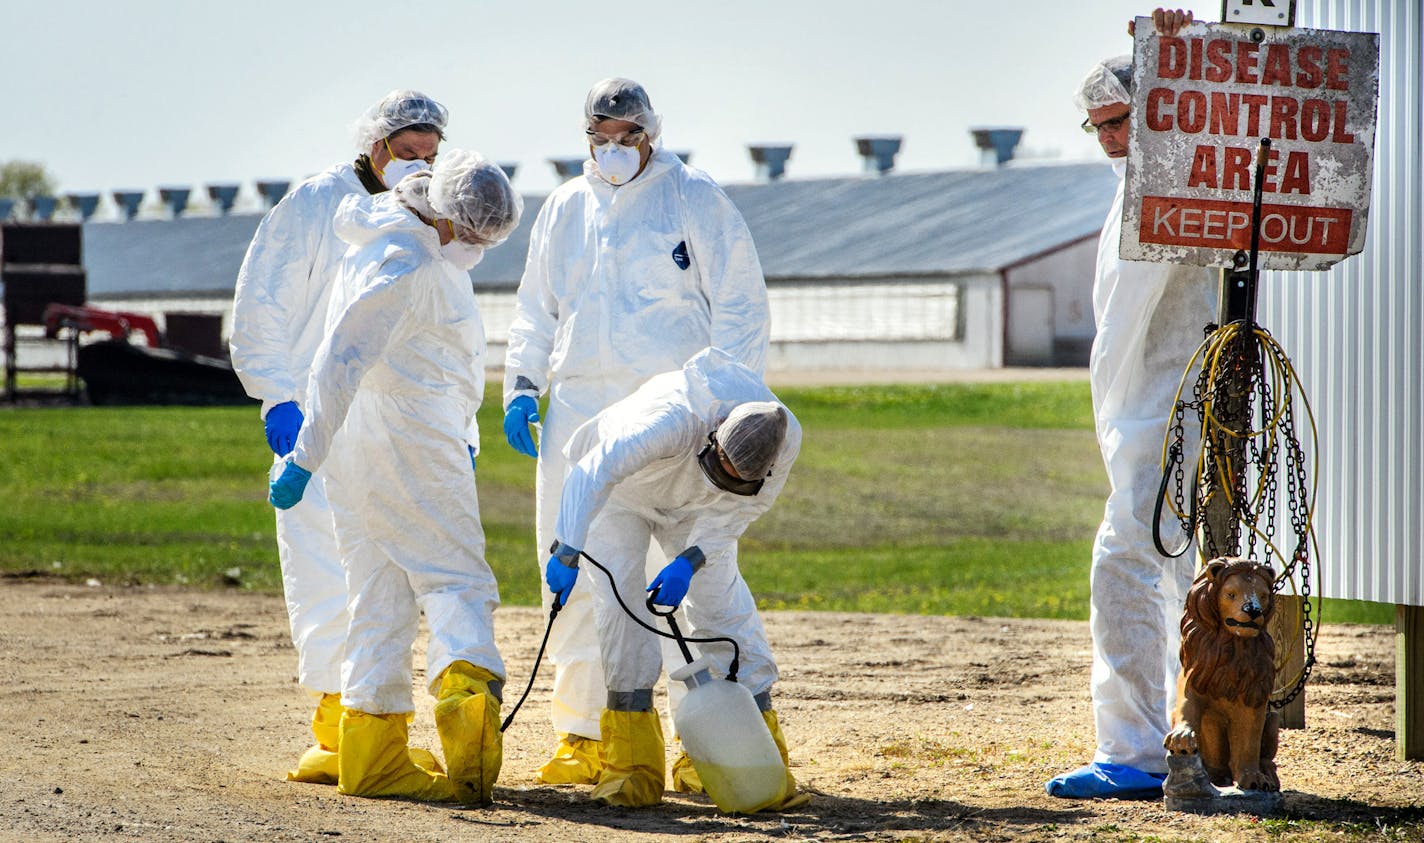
(953, 499)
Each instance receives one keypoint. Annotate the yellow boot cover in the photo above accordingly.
(422, 758)
(375, 761)
(684, 776)
(792, 799)
(467, 718)
(577, 760)
(318, 764)
(634, 758)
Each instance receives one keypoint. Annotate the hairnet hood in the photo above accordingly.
(622, 99)
(1106, 84)
(474, 192)
(751, 436)
(395, 111)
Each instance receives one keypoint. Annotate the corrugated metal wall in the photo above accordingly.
(1356, 335)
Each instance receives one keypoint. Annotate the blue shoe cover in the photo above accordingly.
(1097, 781)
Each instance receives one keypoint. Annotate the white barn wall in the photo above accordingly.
(1068, 272)
(1356, 336)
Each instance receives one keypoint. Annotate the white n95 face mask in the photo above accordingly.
(617, 164)
(463, 255)
(397, 169)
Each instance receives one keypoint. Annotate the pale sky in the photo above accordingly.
(147, 93)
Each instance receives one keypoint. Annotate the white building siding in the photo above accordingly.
(1356, 336)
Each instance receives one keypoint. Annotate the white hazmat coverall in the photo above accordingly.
(621, 284)
(393, 395)
(1150, 319)
(633, 475)
(279, 314)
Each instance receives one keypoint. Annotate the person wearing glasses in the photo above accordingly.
(691, 459)
(633, 267)
(1150, 320)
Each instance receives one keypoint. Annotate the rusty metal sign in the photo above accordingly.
(1202, 102)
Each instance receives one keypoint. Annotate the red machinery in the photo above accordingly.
(117, 323)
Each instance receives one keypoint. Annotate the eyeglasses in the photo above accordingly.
(630, 138)
(1110, 125)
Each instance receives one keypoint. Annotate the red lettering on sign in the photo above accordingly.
(1216, 224)
(1218, 55)
(1336, 66)
(1225, 113)
(1236, 175)
(1191, 112)
(1283, 111)
(1296, 177)
(1246, 62)
(1203, 168)
(1277, 68)
(1172, 60)
(1254, 104)
(1314, 120)
(1308, 59)
(1156, 98)
(1340, 135)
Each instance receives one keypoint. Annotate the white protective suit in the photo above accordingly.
(622, 284)
(634, 475)
(402, 368)
(1150, 319)
(279, 315)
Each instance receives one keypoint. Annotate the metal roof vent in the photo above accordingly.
(273, 190)
(176, 198)
(509, 170)
(224, 195)
(770, 160)
(996, 146)
(128, 202)
(567, 168)
(879, 152)
(42, 207)
(84, 203)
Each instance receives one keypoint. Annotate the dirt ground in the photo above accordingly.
(158, 714)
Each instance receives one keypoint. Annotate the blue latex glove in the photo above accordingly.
(672, 582)
(282, 423)
(523, 411)
(560, 577)
(473, 467)
(287, 490)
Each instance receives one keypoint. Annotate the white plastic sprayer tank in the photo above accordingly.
(728, 741)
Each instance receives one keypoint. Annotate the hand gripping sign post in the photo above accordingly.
(1250, 146)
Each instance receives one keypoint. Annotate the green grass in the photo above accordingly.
(977, 499)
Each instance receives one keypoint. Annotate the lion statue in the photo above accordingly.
(1227, 675)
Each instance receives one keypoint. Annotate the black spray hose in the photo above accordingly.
(676, 635)
(549, 627)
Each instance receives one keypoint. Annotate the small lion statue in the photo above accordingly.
(1227, 675)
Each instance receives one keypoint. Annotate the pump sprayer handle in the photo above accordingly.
(653, 595)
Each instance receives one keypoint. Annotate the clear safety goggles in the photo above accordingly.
(630, 138)
(465, 234)
(710, 459)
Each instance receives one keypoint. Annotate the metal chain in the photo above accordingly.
(1271, 453)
